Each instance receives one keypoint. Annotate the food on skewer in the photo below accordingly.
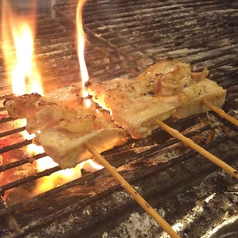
(168, 88)
(62, 125)
(133, 104)
(173, 77)
(69, 132)
(192, 98)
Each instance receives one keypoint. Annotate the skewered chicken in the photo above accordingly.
(168, 88)
(133, 105)
(173, 77)
(62, 125)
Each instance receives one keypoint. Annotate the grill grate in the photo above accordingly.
(124, 38)
(202, 33)
(56, 57)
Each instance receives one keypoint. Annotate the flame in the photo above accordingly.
(62, 176)
(57, 178)
(18, 36)
(94, 164)
(67, 175)
(81, 39)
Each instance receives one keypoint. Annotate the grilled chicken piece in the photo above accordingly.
(62, 125)
(28, 104)
(173, 77)
(133, 105)
(168, 88)
(192, 98)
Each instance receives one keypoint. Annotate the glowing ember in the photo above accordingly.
(81, 46)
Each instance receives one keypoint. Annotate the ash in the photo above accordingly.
(137, 225)
(195, 213)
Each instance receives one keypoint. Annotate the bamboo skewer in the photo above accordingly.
(198, 148)
(133, 192)
(220, 112)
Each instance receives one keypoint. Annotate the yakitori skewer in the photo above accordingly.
(198, 148)
(220, 112)
(133, 192)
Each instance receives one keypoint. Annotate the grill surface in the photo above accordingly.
(124, 38)
(202, 33)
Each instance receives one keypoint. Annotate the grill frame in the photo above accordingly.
(222, 69)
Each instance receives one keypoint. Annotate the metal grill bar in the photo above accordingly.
(148, 31)
(136, 160)
(56, 57)
(21, 162)
(124, 38)
(87, 197)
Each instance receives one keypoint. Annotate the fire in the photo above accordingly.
(57, 178)
(18, 36)
(81, 47)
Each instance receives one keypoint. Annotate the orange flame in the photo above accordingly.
(18, 47)
(18, 36)
(56, 179)
(81, 39)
